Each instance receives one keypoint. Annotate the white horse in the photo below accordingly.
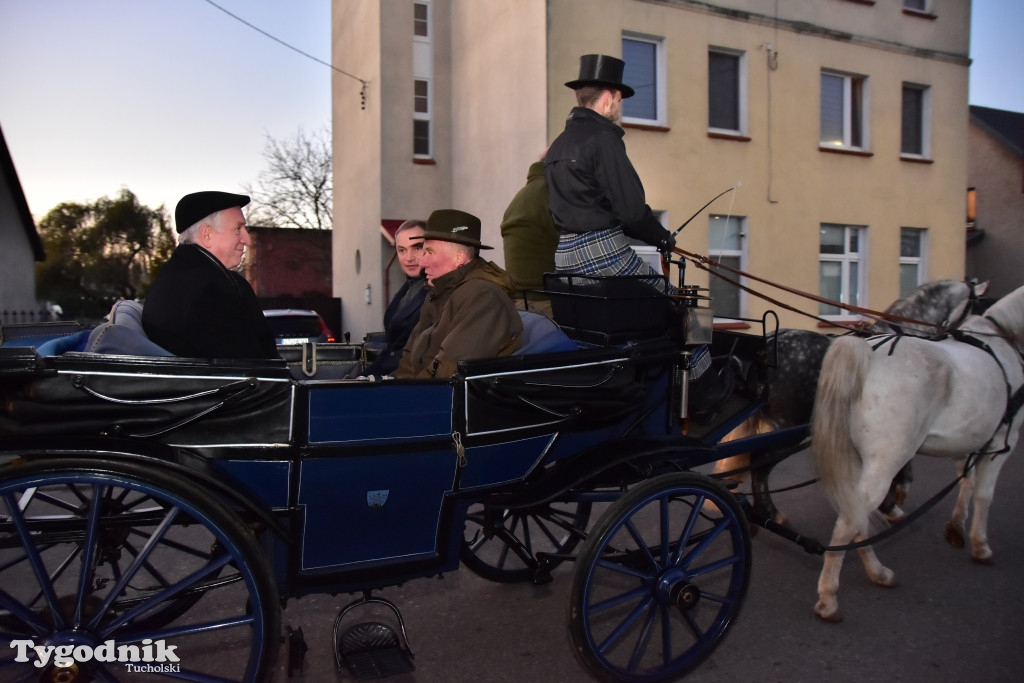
(876, 409)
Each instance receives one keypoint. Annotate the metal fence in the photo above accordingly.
(24, 316)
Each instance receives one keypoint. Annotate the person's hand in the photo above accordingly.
(667, 244)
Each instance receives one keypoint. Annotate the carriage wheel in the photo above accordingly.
(93, 551)
(502, 545)
(659, 580)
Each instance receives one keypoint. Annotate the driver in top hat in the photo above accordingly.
(594, 193)
(469, 311)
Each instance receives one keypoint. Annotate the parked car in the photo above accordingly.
(294, 326)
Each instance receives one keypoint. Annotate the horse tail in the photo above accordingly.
(839, 387)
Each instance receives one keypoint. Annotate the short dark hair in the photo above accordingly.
(588, 94)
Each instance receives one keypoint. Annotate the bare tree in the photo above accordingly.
(294, 190)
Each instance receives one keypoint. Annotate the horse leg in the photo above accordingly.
(955, 527)
(898, 489)
(827, 607)
(985, 475)
(762, 492)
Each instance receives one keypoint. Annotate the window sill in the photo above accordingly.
(728, 136)
(844, 150)
(919, 14)
(425, 161)
(731, 325)
(862, 2)
(646, 126)
(916, 160)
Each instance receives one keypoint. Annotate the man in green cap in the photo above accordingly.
(469, 311)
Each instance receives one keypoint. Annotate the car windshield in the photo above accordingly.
(294, 326)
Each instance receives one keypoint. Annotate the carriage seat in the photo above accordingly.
(123, 335)
(542, 335)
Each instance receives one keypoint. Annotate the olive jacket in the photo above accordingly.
(468, 314)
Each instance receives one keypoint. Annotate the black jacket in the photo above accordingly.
(198, 308)
(591, 183)
(399, 320)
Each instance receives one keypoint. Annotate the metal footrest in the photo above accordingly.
(372, 649)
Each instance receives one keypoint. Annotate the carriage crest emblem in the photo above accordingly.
(376, 499)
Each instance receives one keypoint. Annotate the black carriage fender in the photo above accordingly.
(192, 466)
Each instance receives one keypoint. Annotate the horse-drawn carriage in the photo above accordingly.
(156, 511)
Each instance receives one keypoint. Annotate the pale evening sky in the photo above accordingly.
(166, 97)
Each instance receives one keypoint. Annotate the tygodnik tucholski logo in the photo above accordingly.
(151, 656)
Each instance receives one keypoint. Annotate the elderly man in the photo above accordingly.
(197, 305)
(469, 311)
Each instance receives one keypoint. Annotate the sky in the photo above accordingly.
(166, 97)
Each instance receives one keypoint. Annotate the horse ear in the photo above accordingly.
(981, 288)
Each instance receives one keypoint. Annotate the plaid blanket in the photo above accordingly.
(602, 252)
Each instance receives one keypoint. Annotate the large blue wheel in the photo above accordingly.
(660, 579)
(100, 555)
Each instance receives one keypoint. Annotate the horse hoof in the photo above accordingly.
(831, 616)
(894, 514)
(984, 561)
(954, 536)
(887, 579)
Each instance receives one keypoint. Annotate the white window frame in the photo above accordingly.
(925, 123)
(845, 260)
(741, 94)
(740, 254)
(920, 262)
(660, 82)
(423, 70)
(847, 142)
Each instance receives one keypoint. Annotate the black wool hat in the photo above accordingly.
(194, 207)
(601, 70)
(451, 225)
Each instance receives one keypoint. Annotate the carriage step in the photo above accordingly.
(373, 650)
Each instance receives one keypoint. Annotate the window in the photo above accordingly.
(421, 19)
(725, 246)
(840, 266)
(644, 72)
(726, 91)
(423, 75)
(915, 120)
(842, 111)
(916, 5)
(912, 259)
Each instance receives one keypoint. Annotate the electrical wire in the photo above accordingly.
(290, 47)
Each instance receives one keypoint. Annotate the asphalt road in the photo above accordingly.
(947, 620)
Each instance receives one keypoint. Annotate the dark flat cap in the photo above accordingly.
(452, 225)
(194, 207)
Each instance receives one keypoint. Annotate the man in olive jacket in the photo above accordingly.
(469, 311)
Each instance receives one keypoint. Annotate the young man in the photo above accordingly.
(468, 312)
(404, 310)
(594, 193)
(197, 305)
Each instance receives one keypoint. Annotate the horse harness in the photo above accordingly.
(1014, 399)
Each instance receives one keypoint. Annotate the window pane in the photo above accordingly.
(420, 99)
(913, 110)
(723, 91)
(855, 111)
(832, 241)
(915, 4)
(830, 284)
(723, 233)
(640, 74)
(419, 22)
(908, 277)
(831, 109)
(910, 243)
(853, 295)
(725, 296)
(421, 137)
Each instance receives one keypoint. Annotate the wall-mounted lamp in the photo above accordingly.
(369, 296)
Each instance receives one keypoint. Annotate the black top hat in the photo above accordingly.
(194, 207)
(451, 225)
(601, 70)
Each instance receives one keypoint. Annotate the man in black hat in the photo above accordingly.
(197, 305)
(594, 194)
(469, 311)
